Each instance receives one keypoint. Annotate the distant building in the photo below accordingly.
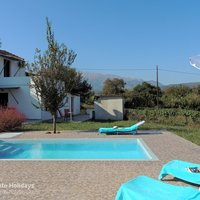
(109, 108)
(15, 90)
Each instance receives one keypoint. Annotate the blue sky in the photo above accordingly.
(123, 37)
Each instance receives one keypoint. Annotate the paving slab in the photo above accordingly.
(90, 180)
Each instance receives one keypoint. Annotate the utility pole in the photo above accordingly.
(157, 85)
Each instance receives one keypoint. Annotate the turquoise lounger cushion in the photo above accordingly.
(145, 188)
(121, 130)
(117, 130)
(178, 169)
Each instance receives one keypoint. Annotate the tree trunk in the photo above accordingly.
(54, 122)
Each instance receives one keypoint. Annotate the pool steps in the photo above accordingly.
(8, 149)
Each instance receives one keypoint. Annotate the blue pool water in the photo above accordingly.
(76, 149)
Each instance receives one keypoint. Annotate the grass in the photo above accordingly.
(190, 133)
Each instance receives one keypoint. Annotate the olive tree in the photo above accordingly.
(114, 86)
(52, 76)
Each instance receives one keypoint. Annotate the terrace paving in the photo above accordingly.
(90, 180)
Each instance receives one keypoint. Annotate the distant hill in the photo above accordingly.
(97, 80)
(192, 84)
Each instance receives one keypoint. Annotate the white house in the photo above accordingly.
(15, 91)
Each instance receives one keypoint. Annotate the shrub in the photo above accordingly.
(165, 116)
(10, 119)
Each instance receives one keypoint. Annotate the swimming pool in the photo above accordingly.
(76, 149)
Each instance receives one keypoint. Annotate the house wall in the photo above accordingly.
(76, 105)
(13, 68)
(21, 98)
(109, 108)
(73, 101)
(24, 98)
(45, 115)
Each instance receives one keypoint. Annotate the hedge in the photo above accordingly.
(165, 116)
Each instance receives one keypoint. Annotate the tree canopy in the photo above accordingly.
(181, 96)
(52, 76)
(114, 86)
(143, 95)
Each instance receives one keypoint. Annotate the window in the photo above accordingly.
(3, 99)
(6, 68)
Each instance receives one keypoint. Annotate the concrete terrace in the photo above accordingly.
(90, 180)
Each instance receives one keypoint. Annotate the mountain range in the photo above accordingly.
(97, 80)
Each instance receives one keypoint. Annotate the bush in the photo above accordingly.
(10, 119)
(165, 116)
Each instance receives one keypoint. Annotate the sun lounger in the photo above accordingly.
(145, 188)
(131, 129)
(179, 169)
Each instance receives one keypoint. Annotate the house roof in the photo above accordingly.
(9, 87)
(9, 55)
(108, 96)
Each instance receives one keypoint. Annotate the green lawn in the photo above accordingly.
(190, 133)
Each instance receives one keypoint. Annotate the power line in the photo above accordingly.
(179, 72)
(138, 69)
(117, 69)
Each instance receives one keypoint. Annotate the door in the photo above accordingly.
(4, 99)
